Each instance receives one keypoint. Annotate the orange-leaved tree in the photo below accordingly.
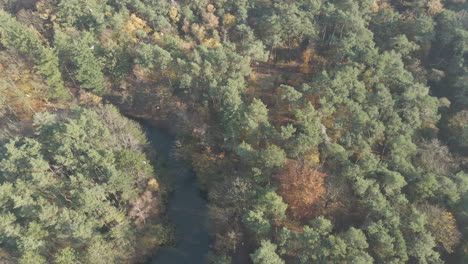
(301, 187)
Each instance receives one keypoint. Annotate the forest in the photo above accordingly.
(319, 131)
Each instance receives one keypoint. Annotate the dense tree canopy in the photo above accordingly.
(76, 184)
(320, 131)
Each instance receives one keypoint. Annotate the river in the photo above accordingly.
(186, 208)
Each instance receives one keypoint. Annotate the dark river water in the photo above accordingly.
(187, 209)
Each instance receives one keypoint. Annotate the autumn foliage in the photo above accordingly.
(443, 227)
(301, 187)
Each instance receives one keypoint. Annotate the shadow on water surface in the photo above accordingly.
(187, 210)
